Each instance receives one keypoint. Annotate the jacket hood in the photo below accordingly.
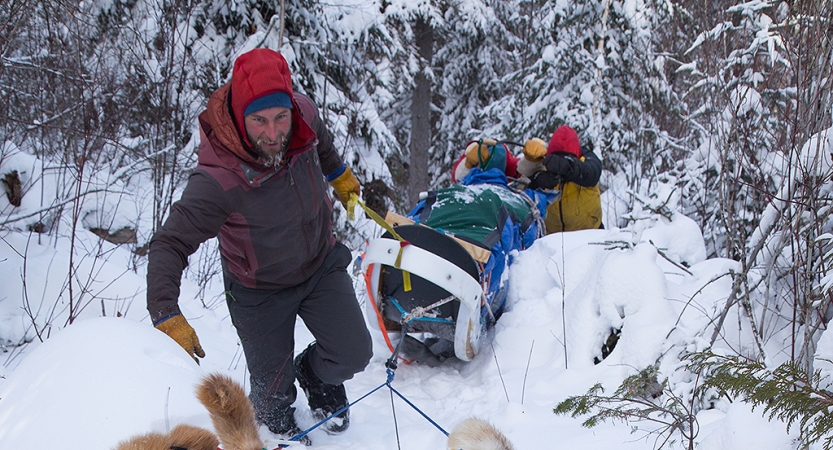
(565, 140)
(257, 73)
(223, 144)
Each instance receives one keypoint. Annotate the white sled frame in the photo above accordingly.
(440, 272)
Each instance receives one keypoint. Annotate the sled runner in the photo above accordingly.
(440, 278)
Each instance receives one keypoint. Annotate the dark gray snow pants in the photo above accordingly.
(265, 323)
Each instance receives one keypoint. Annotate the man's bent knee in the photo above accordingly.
(341, 366)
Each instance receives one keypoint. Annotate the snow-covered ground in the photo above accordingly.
(101, 379)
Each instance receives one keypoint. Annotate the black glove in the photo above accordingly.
(544, 180)
(562, 165)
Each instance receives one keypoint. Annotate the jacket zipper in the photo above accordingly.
(303, 210)
(314, 184)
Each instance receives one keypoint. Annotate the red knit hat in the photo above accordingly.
(257, 73)
(564, 140)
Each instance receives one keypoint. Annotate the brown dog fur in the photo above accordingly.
(231, 413)
(184, 436)
(476, 434)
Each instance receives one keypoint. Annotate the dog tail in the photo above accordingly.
(477, 434)
(183, 436)
(231, 412)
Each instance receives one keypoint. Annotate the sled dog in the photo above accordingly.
(233, 417)
(231, 413)
(476, 434)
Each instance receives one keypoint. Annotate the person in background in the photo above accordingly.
(260, 186)
(570, 168)
(563, 165)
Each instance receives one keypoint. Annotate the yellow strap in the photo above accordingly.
(351, 204)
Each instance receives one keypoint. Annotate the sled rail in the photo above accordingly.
(443, 274)
(479, 254)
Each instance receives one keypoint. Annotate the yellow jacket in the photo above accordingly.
(579, 208)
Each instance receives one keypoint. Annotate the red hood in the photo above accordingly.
(564, 140)
(221, 143)
(257, 73)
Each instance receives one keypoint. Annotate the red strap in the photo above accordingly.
(379, 314)
(376, 309)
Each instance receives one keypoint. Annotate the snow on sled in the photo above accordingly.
(440, 278)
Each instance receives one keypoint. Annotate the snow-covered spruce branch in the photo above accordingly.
(661, 209)
(788, 393)
(7, 62)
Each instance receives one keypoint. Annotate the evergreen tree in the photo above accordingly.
(592, 66)
(478, 50)
(413, 29)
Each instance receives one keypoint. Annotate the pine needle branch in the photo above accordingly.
(640, 397)
(788, 393)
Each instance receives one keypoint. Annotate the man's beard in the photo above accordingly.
(271, 157)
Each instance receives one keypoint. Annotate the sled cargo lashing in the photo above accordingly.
(445, 298)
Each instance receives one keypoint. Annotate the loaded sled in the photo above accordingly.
(439, 276)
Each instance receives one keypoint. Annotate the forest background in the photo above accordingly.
(723, 105)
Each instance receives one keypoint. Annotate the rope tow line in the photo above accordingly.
(351, 216)
(390, 366)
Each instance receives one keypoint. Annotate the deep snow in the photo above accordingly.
(102, 379)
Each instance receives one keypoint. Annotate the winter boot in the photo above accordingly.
(324, 399)
(283, 424)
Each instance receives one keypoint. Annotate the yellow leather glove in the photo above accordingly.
(535, 150)
(179, 330)
(345, 184)
(471, 152)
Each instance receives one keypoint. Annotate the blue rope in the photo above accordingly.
(345, 408)
(390, 372)
(395, 422)
(417, 409)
